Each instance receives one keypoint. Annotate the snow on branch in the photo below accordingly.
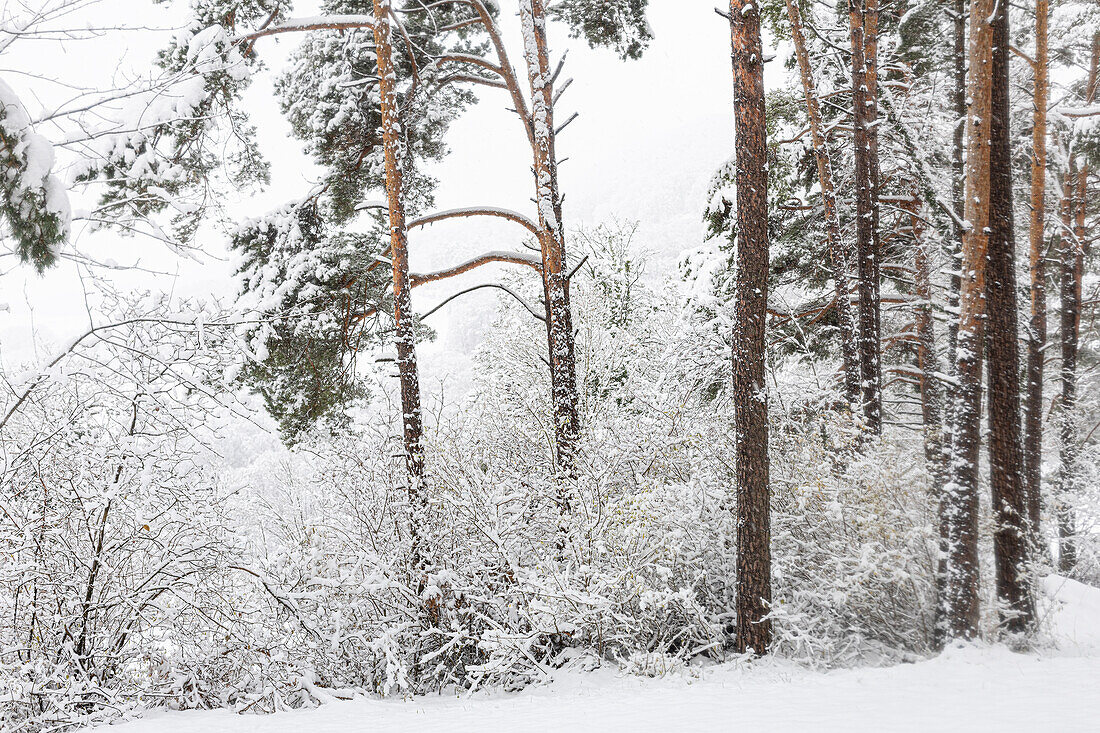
(32, 200)
(315, 23)
(476, 211)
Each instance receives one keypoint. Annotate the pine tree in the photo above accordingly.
(753, 631)
(1037, 326)
(839, 250)
(405, 336)
(1074, 247)
(960, 505)
(1005, 449)
(863, 21)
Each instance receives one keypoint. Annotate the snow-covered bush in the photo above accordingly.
(113, 528)
(630, 561)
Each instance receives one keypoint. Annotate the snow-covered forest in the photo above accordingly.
(472, 364)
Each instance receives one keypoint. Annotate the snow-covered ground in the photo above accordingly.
(975, 688)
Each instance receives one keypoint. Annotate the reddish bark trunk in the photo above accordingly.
(870, 349)
(753, 631)
(961, 611)
(405, 337)
(1037, 331)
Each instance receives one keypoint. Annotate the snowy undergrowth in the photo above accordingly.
(297, 586)
(989, 687)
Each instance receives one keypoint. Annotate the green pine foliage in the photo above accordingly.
(620, 25)
(319, 297)
(33, 204)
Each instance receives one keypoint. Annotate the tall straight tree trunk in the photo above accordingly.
(958, 184)
(405, 337)
(958, 178)
(931, 391)
(750, 390)
(559, 318)
(1070, 319)
(870, 348)
(839, 252)
(1073, 262)
(960, 506)
(870, 122)
(1037, 332)
(1010, 546)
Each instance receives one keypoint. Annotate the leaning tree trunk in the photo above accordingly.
(749, 388)
(1010, 546)
(960, 506)
(1037, 332)
(559, 318)
(870, 349)
(405, 335)
(839, 251)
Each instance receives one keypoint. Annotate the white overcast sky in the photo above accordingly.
(649, 136)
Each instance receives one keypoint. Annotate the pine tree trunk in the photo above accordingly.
(1037, 336)
(931, 391)
(1010, 512)
(1070, 319)
(958, 179)
(870, 349)
(405, 337)
(559, 318)
(1073, 263)
(958, 184)
(749, 387)
(870, 123)
(840, 252)
(960, 506)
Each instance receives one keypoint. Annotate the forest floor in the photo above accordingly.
(976, 687)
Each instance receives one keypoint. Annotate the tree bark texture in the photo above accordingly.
(559, 319)
(954, 251)
(753, 592)
(960, 506)
(863, 110)
(405, 335)
(1010, 545)
(928, 367)
(1037, 331)
(1071, 261)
